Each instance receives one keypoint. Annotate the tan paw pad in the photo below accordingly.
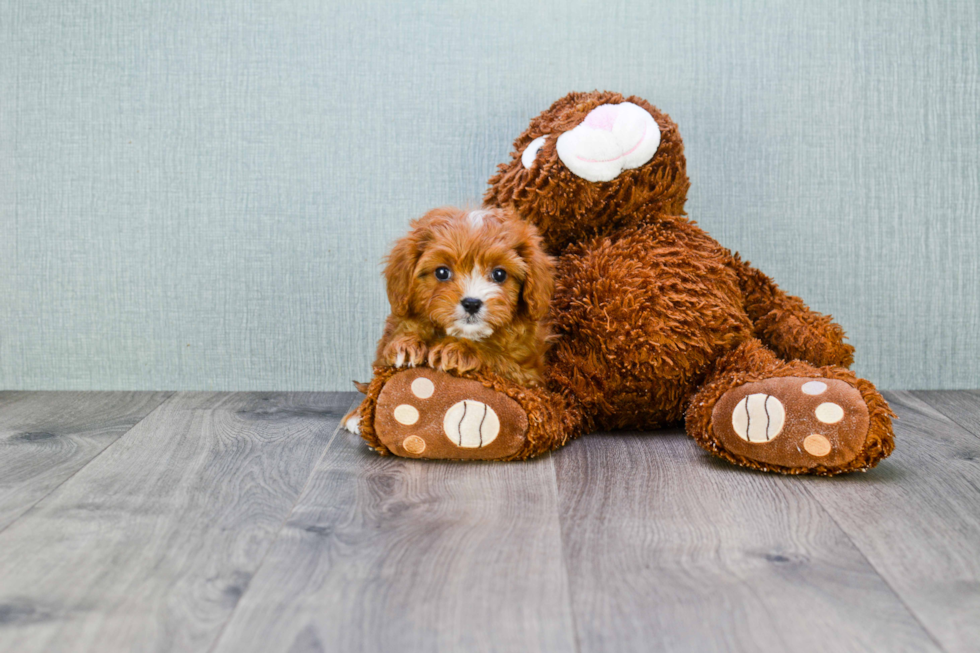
(425, 413)
(405, 414)
(414, 444)
(817, 445)
(423, 388)
(792, 422)
(758, 418)
(829, 413)
(814, 387)
(471, 424)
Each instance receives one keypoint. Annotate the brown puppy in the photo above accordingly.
(469, 290)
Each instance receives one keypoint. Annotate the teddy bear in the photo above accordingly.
(655, 322)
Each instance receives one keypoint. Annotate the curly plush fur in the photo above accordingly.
(753, 362)
(655, 320)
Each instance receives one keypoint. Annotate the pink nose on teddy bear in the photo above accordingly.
(602, 117)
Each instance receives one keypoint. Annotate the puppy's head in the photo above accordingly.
(470, 272)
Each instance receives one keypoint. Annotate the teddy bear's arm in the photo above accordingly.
(787, 326)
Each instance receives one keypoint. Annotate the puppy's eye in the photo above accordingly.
(499, 275)
(443, 273)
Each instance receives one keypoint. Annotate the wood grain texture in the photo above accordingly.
(8, 396)
(47, 437)
(668, 549)
(150, 546)
(241, 523)
(917, 519)
(960, 406)
(388, 554)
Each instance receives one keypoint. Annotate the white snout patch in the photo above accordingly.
(478, 286)
(531, 151)
(758, 417)
(474, 327)
(612, 138)
(478, 330)
(471, 424)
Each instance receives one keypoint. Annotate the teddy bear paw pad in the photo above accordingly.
(793, 422)
(424, 413)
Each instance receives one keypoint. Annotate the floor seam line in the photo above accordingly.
(952, 419)
(165, 401)
(564, 558)
(864, 556)
(282, 525)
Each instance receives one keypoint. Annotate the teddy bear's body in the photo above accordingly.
(641, 315)
(656, 321)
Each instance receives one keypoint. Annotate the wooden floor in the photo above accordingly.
(247, 522)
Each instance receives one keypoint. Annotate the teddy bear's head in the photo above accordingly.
(591, 163)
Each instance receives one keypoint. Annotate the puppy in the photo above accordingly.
(469, 290)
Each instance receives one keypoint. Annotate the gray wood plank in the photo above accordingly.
(8, 396)
(668, 549)
(150, 546)
(388, 554)
(917, 519)
(960, 406)
(45, 437)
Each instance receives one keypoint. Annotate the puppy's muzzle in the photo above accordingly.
(471, 305)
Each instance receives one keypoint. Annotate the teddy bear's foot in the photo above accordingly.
(793, 422)
(424, 413)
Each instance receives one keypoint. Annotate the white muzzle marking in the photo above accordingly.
(612, 138)
(474, 326)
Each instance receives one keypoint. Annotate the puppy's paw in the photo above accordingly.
(405, 352)
(453, 356)
(352, 421)
(353, 424)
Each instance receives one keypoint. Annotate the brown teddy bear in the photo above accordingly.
(655, 321)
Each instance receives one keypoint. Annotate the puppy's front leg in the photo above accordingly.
(457, 356)
(404, 349)
(352, 421)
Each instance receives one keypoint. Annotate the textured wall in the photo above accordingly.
(198, 194)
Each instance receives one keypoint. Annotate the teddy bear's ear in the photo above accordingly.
(400, 267)
(539, 280)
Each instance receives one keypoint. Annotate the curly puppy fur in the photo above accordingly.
(490, 258)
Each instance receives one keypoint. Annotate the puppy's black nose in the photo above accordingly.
(471, 304)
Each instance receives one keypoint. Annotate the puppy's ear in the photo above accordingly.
(400, 267)
(539, 282)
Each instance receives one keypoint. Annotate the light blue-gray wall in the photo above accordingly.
(198, 194)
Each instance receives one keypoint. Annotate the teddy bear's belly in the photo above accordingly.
(641, 318)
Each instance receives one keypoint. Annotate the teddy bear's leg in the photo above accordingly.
(425, 413)
(787, 326)
(759, 411)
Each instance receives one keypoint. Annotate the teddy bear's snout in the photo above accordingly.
(612, 138)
